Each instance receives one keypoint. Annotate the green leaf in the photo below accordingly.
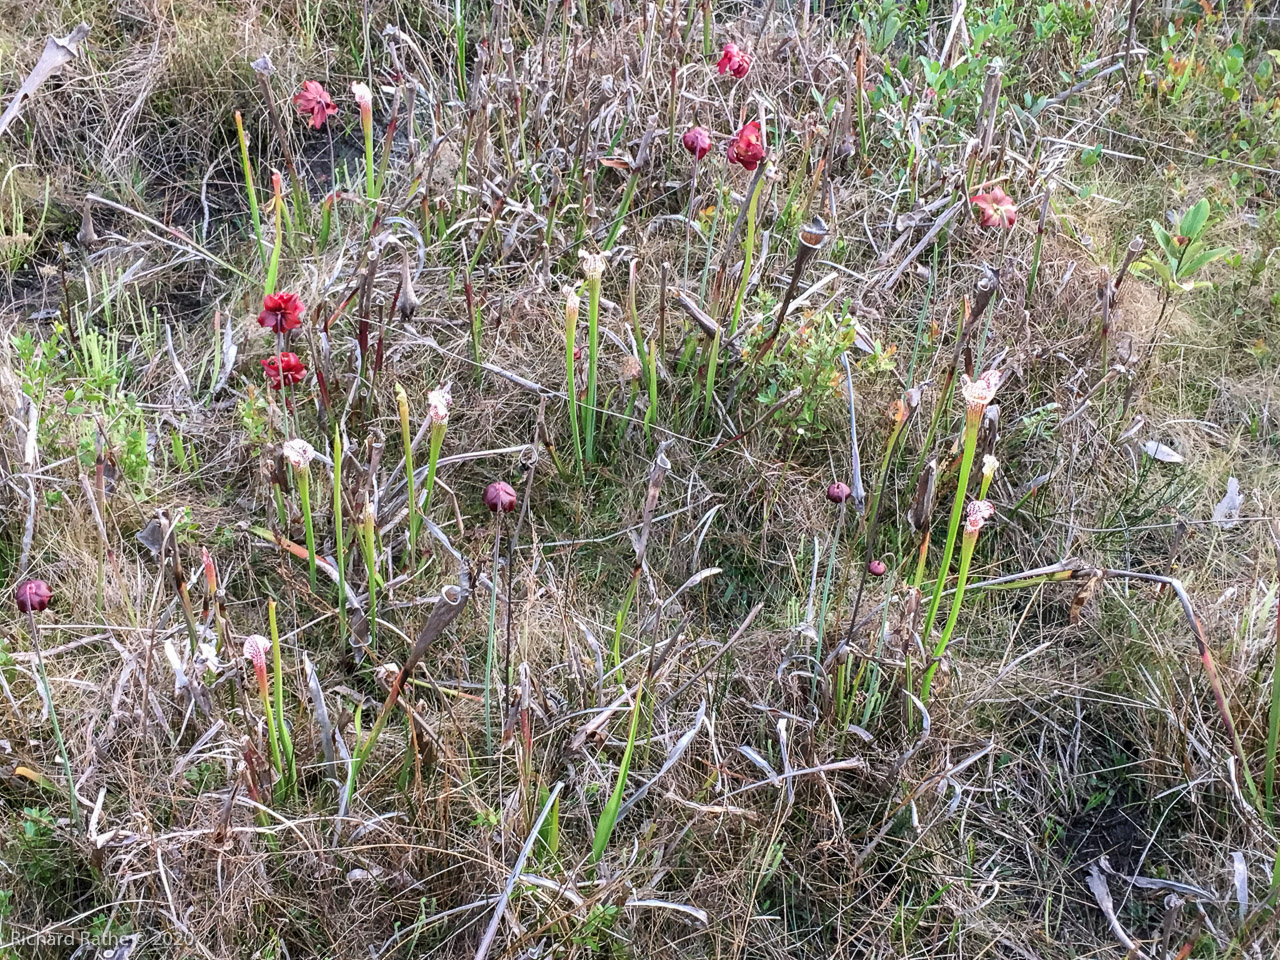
(1165, 240)
(1161, 269)
(1193, 221)
(1193, 263)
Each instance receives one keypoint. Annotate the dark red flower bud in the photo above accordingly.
(284, 369)
(281, 312)
(747, 146)
(499, 497)
(876, 568)
(32, 596)
(839, 492)
(697, 141)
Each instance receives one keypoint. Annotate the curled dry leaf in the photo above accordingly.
(1162, 452)
(58, 52)
(1227, 513)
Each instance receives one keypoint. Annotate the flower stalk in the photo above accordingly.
(402, 403)
(299, 453)
(571, 307)
(438, 403)
(288, 771)
(593, 267)
(255, 650)
(977, 393)
(29, 600)
(978, 514)
(338, 547)
(252, 194)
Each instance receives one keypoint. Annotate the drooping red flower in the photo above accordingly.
(697, 141)
(500, 497)
(315, 100)
(281, 312)
(997, 208)
(284, 370)
(839, 492)
(32, 596)
(877, 568)
(734, 61)
(747, 146)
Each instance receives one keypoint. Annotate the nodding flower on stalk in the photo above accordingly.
(299, 453)
(593, 265)
(364, 97)
(978, 513)
(572, 307)
(281, 312)
(314, 99)
(439, 401)
(989, 467)
(697, 141)
(32, 596)
(734, 61)
(838, 492)
(978, 393)
(256, 648)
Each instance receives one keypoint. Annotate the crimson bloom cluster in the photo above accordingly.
(746, 148)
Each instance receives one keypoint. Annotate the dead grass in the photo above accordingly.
(1072, 728)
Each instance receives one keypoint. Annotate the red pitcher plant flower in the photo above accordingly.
(500, 497)
(32, 596)
(747, 146)
(734, 61)
(996, 208)
(839, 492)
(281, 312)
(697, 141)
(284, 370)
(315, 100)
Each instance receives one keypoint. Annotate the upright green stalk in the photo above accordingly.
(249, 190)
(364, 97)
(1273, 728)
(748, 248)
(288, 771)
(255, 649)
(338, 547)
(593, 266)
(977, 395)
(571, 308)
(370, 534)
(438, 403)
(299, 453)
(273, 264)
(609, 817)
(493, 640)
(979, 512)
(402, 401)
(53, 719)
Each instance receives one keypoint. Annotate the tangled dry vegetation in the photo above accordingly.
(643, 649)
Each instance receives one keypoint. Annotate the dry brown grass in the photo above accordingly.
(1058, 736)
